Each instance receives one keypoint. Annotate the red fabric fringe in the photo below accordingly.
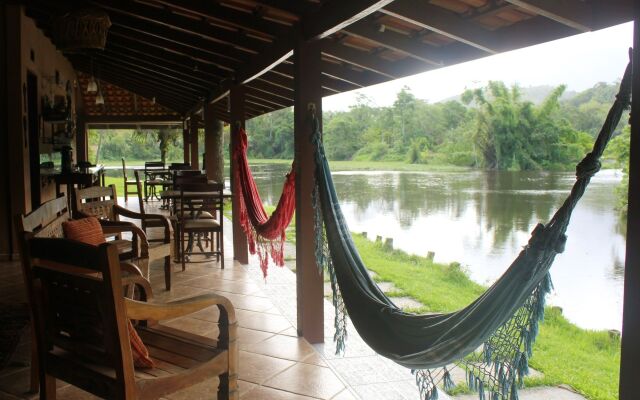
(265, 235)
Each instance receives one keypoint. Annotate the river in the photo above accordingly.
(483, 219)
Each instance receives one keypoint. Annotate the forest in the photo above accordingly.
(494, 127)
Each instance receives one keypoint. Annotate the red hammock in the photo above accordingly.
(264, 234)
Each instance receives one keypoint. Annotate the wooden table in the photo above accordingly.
(175, 194)
(84, 177)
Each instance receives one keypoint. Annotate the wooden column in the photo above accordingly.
(186, 142)
(309, 282)
(193, 134)
(213, 142)
(240, 247)
(630, 357)
(82, 140)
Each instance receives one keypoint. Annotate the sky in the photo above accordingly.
(578, 61)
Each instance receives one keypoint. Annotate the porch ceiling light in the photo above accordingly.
(92, 86)
(99, 98)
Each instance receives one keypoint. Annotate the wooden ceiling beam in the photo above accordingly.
(101, 63)
(396, 42)
(152, 70)
(365, 60)
(171, 102)
(278, 102)
(155, 54)
(230, 16)
(576, 14)
(151, 85)
(334, 15)
(286, 93)
(226, 52)
(447, 23)
(133, 119)
(140, 34)
(166, 68)
(238, 40)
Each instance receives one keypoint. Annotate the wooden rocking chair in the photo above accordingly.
(82, 330)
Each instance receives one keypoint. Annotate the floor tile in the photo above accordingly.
(287, 347)
(262, 322)
(266, 393)
(249, 337)
(256, 368)
(309, 380)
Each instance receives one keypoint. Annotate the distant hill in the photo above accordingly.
(535, 94)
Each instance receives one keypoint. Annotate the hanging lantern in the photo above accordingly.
(81, 30)
(99, 99)
(92, 86)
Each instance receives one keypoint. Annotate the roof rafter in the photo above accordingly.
(576, 14)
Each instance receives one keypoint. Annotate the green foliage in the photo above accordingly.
(618, 150)
(513, 134)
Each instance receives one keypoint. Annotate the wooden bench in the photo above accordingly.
(46, 222)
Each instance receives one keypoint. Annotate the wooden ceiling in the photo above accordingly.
(185, 52)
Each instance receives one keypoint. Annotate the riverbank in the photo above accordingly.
(588, 361)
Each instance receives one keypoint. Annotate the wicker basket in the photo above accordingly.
(81, 30)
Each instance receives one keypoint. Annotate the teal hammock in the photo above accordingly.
(491, 338)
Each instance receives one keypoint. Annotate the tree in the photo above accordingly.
(165, 137)
(515, 134)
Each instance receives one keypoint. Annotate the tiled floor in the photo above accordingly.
(274, 363)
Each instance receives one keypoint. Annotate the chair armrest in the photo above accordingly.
(115, 227)
(142, 311)
(127, 213)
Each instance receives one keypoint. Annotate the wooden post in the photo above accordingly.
(309, 282)
(630, 353)
(213, 142)
(240, 247)
(193, 133)
(82, 140)
(186, 142)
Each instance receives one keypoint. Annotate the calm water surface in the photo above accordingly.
(482, 220)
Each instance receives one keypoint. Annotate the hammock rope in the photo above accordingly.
(265, 235)
(491, 338)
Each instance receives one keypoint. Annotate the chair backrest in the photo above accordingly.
(46, 220)
(97, 201)
(139, 191)
(153, 165)
(189, 172)
(199, 197)
(180, 180)
(179, 166)
(78, 308)
(124, 170)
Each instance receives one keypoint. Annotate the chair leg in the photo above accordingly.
(48, 389)
(221, 249)
(167, 272)
(182, 250)
(228, 387)
(35, 372)
(126, 191)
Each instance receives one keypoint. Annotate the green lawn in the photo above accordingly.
(589, 361)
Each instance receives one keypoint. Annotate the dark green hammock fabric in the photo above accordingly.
(495, 332)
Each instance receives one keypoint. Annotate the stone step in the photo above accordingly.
(536, 393)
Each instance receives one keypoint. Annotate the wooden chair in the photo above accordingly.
(197, 199)
(46, 222)
(102, 202)
(127, 183)
(153, 171)
(82, 329)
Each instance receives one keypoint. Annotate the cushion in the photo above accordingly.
(86, 230)
(139, 351)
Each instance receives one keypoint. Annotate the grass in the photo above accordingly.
(335, 165)
(588, 361)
